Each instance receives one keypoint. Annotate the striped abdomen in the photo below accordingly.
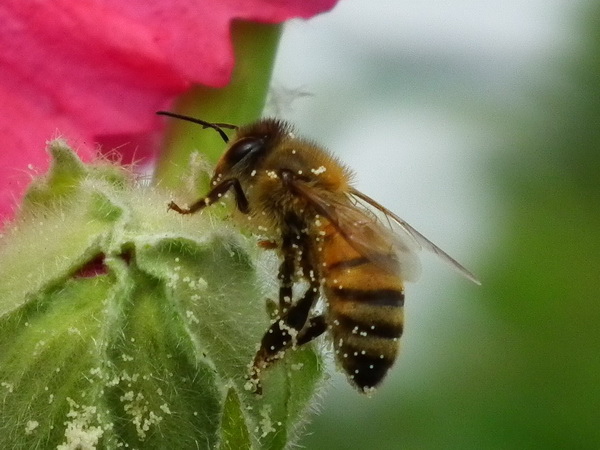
(365, 311)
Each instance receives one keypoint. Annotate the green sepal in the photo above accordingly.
(122, 323)
(234, 427)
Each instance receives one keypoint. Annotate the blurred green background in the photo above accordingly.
(479, 123)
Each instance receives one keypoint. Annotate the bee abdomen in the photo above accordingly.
(366, 326)
(366, 306)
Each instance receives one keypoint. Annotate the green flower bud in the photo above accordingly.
(125, 325)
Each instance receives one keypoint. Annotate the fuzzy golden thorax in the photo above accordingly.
(257, 156)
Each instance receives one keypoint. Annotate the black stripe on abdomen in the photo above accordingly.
(375, 297)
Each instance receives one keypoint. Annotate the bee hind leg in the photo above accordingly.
(286, 275)
(315, 327)
(290, 330)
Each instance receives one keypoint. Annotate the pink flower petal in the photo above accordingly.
(97, 70)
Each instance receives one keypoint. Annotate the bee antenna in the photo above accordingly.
(218, 127)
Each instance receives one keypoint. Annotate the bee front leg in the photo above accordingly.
(214, 195)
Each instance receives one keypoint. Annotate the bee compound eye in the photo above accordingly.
(243, 148)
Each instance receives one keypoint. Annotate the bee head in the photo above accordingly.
(248, 148)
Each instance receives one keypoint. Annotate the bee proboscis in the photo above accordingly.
(328, 234)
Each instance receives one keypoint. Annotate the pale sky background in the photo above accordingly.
(403, 92)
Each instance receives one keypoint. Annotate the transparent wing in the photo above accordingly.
(405, 232)
(365, 232)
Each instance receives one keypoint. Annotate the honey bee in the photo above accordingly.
(348, 248)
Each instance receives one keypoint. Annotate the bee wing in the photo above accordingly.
(405, 231)
(364, 232)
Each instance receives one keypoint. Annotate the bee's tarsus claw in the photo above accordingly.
(175, 207)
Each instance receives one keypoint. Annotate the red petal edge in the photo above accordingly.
(95, 71)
